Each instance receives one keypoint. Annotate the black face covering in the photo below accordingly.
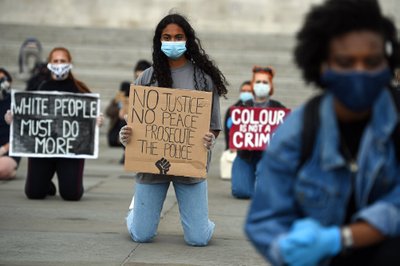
(4, 87)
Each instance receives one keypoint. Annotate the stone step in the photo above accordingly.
(104, 57)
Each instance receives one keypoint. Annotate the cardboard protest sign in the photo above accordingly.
(168, 128)
(54, 124)
(252, 127)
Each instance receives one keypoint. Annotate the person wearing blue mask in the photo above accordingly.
(340, 204)
(229, 155)
(245, 94)
(245, 163)
(179, 62)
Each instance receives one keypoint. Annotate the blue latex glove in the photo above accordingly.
(308, 242)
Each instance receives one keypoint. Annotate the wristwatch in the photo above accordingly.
(347, 237)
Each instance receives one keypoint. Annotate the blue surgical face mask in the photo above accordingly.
(246, 96)
(261, 90)
(356, 90)
(173, 50)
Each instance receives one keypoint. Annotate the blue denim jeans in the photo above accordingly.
(243, 177)
(142, 221)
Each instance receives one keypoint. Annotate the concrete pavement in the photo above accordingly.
(93, 232)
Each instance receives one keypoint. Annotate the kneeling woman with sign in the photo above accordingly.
(245, 164)
(178, 62)
(69, 170)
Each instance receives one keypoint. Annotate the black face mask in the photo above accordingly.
(357, 90)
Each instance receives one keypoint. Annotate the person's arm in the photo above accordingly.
(4, 149)
(363, 234)
(8, 117)
(216, 133)
(215, 123)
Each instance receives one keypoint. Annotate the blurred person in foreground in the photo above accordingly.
(8, 164)
(341, 206)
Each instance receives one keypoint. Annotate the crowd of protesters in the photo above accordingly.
(325, 191)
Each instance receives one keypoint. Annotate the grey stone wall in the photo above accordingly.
(251, 16)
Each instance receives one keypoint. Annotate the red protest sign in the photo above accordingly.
(252, 127)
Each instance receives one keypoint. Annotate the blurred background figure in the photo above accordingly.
(245, 164)
(245, 94)
(112, 112)
(228, 156)
(8, 165)
(117, 108)
(40, 74)
(30, 55)
(69, 170)
(140, 66)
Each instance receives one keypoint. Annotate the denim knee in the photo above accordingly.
(197, 238)
(141, 236)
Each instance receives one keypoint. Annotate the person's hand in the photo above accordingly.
(100, 120)
(308, 242)
(125, 135)
(8, 117)
(209, 140)
(3, 151)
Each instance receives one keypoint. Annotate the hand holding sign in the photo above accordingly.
(125, 135)
(8, 117)
(209, 140)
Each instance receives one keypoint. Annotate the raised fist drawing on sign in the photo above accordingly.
(163, 165)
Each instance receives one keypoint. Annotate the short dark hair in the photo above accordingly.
(142, 65)
(333, 19)
(5, 72)
(125, 87)
(247, 82)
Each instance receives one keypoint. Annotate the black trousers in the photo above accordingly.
(69, 173)
(386, 253)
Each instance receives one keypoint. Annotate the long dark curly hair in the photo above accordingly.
(194, 52)
(334, 18)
